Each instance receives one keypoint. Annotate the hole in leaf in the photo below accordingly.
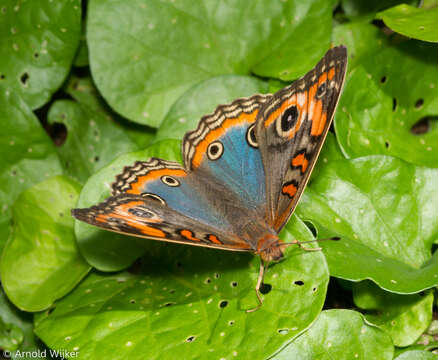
(207, 281)
(387, 144)
(265, 288)
(190, 338)
(169, 304)
(231, 322)
(394, 104)
(283, 331)
(36, 55)
(422, 126)
(24, 78)
(172, 291)
(132, 301)
(2, 76)
(58, 133)
(383, 79)
(223, 304)
(314, 289)
(96, 158)
(311, 228)
(419, 103)
(14, 172)
(234, 284)
(299, 282)
(216, 275)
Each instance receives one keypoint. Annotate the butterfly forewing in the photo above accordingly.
(291, 129)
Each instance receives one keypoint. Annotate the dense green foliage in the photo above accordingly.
(88, 88)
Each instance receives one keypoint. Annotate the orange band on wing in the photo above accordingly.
(138, 186)
(201, 148)
(300, 160)
(214, 239)
(147, 230)
(331, 73)
(289, 189)
(188, 235)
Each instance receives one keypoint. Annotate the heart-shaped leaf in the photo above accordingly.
(92, 141)
(82, 89)
(387, 224)
(190, 302)
(412, 22)
(102, 249)
(203, 99)
(37, 48)
(40, 262)
(384, 98)
(340, 334)
(144, 55)
(27, 154)
(404, 317)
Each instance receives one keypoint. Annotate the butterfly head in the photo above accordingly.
(269, 248)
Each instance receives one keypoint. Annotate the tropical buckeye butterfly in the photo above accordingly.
(245, 168)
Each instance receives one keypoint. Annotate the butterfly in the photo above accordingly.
(245, 168)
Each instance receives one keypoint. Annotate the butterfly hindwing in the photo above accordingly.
(145, 217)
(291, 129)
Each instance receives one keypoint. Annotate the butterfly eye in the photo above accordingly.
(215, 150)
(154, 197)
(321, 90)
(250, 136)
(287, 121)
(170, 181)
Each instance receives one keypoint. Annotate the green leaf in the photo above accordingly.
(202, 99)
(403, 317)
(39, 42)
(93, 140)
(82, 89)
(330, 152)
(366, 9)
(144, 55)
(190, 302)
(412, 22)
(385, 97)
(340, 334)
(11, 336)
(384, 210)
(416, 355)
(25, 339)
(81, 58)
(27, 155)
(361, 39)
(102, 249)
(40, 262)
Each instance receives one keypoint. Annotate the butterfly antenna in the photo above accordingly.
(259, 284)
(300, 243)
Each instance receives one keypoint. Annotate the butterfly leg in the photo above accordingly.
(259, 284)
